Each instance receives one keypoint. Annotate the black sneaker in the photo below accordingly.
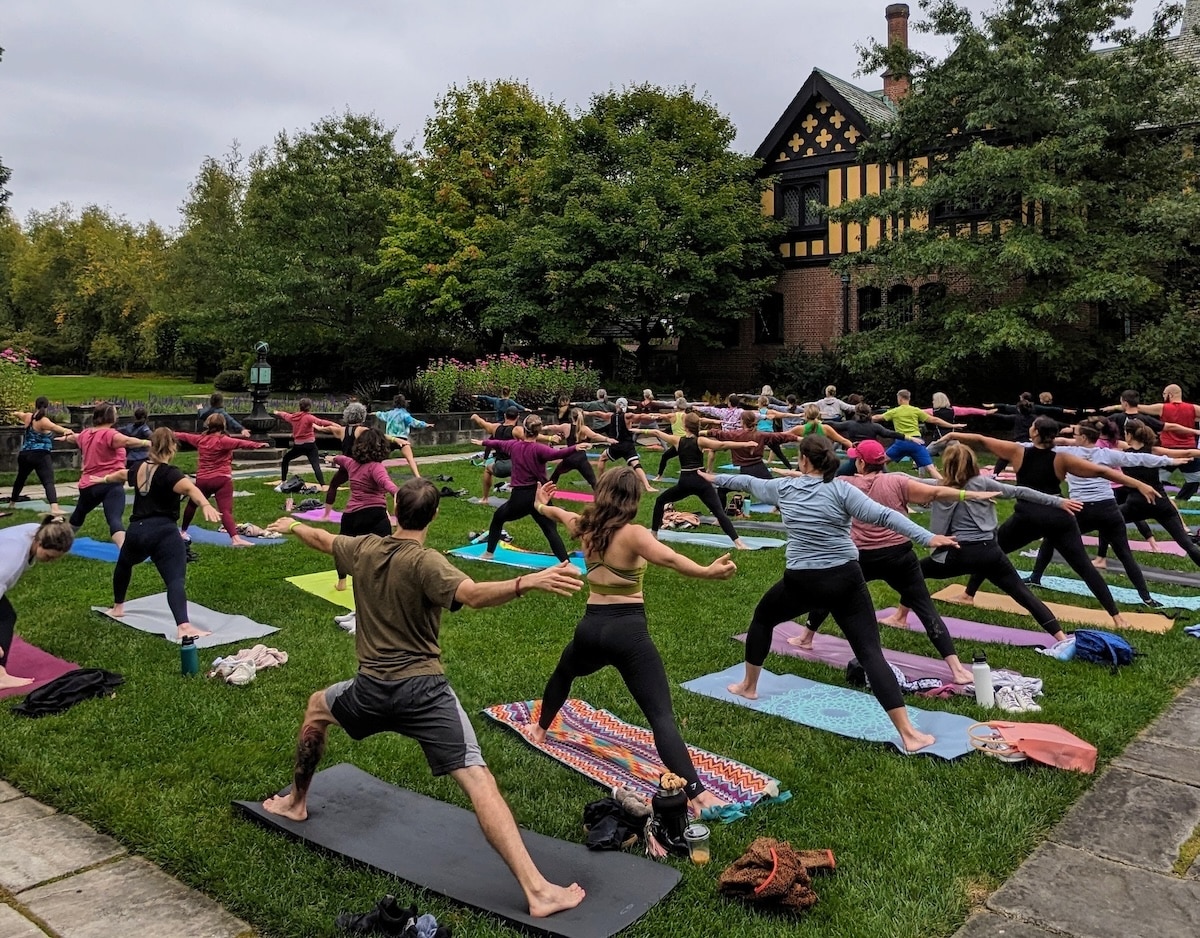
(505, 536)
(1030, 579)
(192, 556)
(387, 918)
(1152, 603)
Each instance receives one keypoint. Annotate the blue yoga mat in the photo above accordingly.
(525, 560)
(221, 539)
(837, 710)
(38, 505)
(95, 550)
(1122, 594)
(719, 541)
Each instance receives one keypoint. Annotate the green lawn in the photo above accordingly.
(918, 840)
(84, 389)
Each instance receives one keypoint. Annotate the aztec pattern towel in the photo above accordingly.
(611, 752)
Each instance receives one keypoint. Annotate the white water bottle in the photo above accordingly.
(985, 692)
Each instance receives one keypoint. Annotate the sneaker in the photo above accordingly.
(1025, 699)
(1006, 699)
(348, 623)
(505, 536)
(387, 918)
(1031, 579)
(343, 618)
(1152, 603)
(279, 488)
(191, 555)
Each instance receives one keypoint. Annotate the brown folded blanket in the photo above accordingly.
(773, 875)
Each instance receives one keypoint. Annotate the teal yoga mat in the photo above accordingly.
(838, 710)
(719, 541)
(1122, 594)
(522, 559)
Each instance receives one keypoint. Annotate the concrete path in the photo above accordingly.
(59, 878)
(1107, 869)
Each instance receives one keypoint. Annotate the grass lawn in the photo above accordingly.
(83, 389)
(919, 841)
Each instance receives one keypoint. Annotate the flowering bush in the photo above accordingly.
(533, 381)
(17, 369)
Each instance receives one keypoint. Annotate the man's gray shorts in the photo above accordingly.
(424, 708)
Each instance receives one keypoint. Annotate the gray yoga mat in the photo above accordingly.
(719, 541)
(744, 525)
(152, 614)
(440, 847)
(492, 501)
(1155, 574)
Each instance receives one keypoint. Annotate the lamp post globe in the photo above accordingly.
(260, 420)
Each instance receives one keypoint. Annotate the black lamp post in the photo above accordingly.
(845, 304)
(260, 420)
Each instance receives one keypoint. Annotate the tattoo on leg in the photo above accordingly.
(309, 750)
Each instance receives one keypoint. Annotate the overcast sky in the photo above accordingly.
(116, 103)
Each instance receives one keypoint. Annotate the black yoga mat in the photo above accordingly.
(440, 847)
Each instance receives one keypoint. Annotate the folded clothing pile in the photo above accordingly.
(617, 822)
(773, 875)
(241, 668)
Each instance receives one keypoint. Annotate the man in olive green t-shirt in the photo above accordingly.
(907, 420)
(400, 590)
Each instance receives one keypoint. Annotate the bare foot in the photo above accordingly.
(961, 675)
(803, 640)
(537, 734)
(186, 629)
(895, 620)
(8, 681)
(741, 690)
(915, 742)
(340, 584)
(282, 805)
(740, 544)
(551, 899)
(705, 800)
(238, 541)
(965, 599)
(486, 555)
(1100, 563)
(327, 513)
(1120, 621)
(117, 611)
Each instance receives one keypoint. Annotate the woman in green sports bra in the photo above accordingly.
(613, 629)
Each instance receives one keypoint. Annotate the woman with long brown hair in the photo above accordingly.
(158, 488)
(102, 476)
(613, 630)
(214, 471)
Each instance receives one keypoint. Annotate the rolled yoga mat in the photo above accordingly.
(440, 847)
(322, 585)
(152, 614)
(1142, 621)
(977, 631)
(1122, 594)
(838, 710)
(718, 541)
(611, 752)
(513, 557)
(25, 660)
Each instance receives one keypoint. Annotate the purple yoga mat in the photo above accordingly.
(980, 631)
(835, 651)
(318, 515)
(25, 660)
(1164, 546)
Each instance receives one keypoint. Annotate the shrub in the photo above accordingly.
(16, 380)
(533, 381)
(230, 380)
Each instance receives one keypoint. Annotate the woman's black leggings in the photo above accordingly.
(340, 478)
(758, 469)
(38, 461)
(520, 505)
(372, 520)
(109, 494)
(8, 624)
(984, 560)
(303, 449)
(777, 449)
(1056, 528)
(690, 484)
(843, 592)
(900, 569)
(668, 454)
(1136, 510)
(616, 635)
(580, 463)
(158, 539)
(1106, 518)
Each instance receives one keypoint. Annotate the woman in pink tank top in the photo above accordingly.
(102, 479)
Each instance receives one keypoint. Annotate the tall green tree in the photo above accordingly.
(1059, 202)
(483, 165)
(316, 206)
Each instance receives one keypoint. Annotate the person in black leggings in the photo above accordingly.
(498, 467)
(153, 531)
(529, 460)
(576, 430)
(37, 444)
(1136, 509)
(691, 460)
(1040, 468)
(823, 573)
(354, 418)
(613, 630)
(21, 546)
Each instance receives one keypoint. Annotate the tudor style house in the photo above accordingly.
(812, 152)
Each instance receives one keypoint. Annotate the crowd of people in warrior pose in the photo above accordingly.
(845, 520)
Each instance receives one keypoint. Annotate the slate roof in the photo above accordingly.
(875, 106)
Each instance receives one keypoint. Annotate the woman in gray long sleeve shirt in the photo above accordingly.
(822, 571)
(973, 525)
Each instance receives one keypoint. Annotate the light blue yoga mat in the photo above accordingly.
(525, 560)
(719, 541)
(1122, 594)
(38, 505)
(221, 539)
(837, 710)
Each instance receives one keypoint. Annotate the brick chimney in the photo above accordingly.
(896, 86)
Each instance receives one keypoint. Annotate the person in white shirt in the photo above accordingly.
(21, 546)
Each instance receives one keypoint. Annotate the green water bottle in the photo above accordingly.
(189, 656)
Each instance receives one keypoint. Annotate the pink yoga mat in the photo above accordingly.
(575, 496)
(981, 631)
(1164, 546)
(25, 660)
(318, 515)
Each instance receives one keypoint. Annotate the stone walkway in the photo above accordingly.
(61, 879)
(1106, 870)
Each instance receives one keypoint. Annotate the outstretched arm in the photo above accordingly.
(921, 494)
(541, 504)
(1006, 449)
(835, 436)
(706, 442)
(316, 538)
(666, 438)
(659, 554)
(1090, 470)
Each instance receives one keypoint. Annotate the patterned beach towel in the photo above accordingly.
(611, 752)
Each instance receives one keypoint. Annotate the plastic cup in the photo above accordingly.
(696, 837)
